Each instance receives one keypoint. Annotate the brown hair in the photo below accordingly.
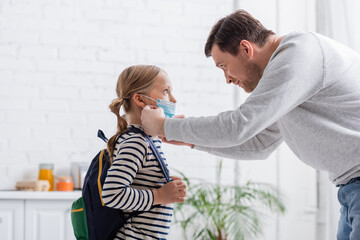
(229, 31)
(134, 79)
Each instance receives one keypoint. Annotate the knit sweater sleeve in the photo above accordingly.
(293, 75)
(257, 148)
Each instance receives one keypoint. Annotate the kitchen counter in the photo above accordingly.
(37, 195)
(36, 215)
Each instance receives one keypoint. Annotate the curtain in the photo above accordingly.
(339, 19)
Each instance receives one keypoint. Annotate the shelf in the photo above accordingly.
(55, 195)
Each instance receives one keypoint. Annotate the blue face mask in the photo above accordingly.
(167, 106)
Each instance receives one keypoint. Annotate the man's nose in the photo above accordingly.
(228, 78)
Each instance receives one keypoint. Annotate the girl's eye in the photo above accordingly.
(166, 90)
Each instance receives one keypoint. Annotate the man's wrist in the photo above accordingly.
(162, 127)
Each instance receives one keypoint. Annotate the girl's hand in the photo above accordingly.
(171, 192)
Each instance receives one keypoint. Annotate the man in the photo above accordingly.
(305, 90)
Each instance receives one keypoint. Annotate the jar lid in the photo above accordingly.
(64, 179)
(46, 166)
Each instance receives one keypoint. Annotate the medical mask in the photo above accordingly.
(167, 106)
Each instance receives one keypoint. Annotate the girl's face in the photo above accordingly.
(162, 89)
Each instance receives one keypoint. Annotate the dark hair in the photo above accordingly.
(229, 31)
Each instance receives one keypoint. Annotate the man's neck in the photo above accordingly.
(264, 53)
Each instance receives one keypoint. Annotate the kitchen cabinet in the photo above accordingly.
(11, 219)
(36, 215)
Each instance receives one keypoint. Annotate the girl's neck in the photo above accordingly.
(134, 118)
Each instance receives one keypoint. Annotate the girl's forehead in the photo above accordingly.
(163, 79)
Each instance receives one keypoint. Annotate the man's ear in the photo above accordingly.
(246, 49)
(138, 99)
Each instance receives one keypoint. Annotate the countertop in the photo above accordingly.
(32, 195)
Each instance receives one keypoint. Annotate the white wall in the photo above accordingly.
(59, 62)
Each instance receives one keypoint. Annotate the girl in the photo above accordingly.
(135, 181)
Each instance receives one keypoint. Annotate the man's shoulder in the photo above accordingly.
(301, 44)
(300, 37)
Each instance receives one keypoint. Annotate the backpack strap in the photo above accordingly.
(101, 135)
(164, 169)
(99, 175)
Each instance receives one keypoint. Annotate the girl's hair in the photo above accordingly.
(134, 79)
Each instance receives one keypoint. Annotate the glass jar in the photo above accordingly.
(46, 173)
(64, 183)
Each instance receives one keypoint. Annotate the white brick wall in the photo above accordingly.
(59, 63)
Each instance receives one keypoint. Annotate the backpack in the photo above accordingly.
(91, 220)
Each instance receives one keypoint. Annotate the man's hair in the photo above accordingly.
(229, 31)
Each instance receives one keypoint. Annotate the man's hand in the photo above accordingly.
(178, 143)
(152, 120)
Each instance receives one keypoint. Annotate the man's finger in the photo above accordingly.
(150, 107)
(179, 116)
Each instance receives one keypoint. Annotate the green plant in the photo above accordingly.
(213, 211)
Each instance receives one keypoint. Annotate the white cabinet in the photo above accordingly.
(36, 215)
(11, 219)
(47, 219)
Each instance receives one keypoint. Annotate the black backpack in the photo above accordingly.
(91, 220)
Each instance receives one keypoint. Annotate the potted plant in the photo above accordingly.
(213, 211)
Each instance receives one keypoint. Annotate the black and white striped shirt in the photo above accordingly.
(134, 172)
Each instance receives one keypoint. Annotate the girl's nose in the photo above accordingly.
(172, 99)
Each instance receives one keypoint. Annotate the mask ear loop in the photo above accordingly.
(148, 97)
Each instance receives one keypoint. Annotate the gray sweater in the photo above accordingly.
(308, 96)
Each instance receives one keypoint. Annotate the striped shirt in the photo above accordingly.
(134, 172)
